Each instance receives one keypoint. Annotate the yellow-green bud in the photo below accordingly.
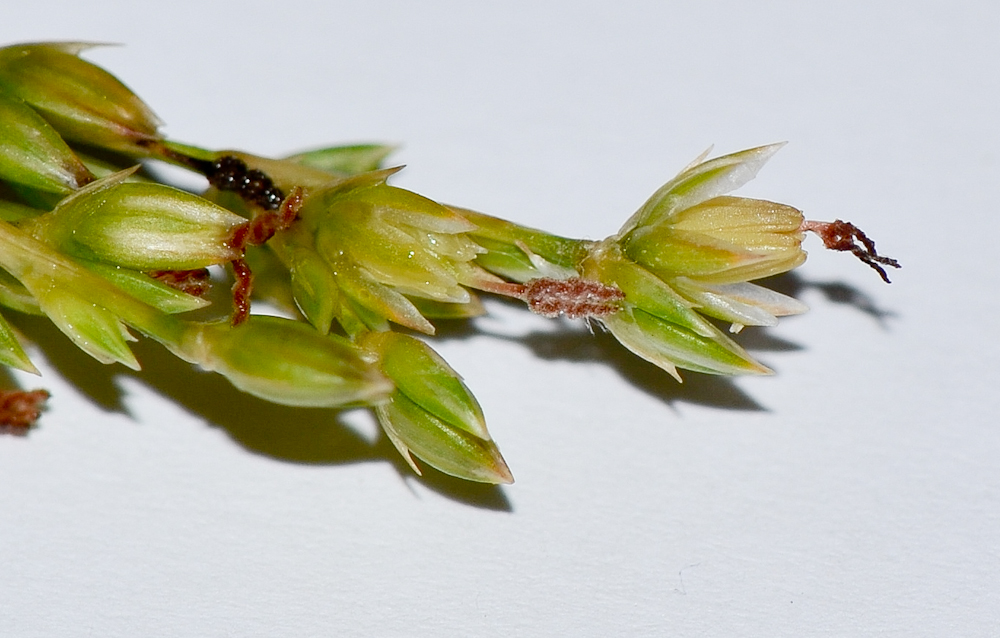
(691, 250)
(142, 226)
(658, 324)
(723, 240)
(401, 239)
(423, 376)
(82, 101)
(33, 154)
(432, 414)
(451, 450)
(286, 362)
(383, 246)
(94, 329)
(706, 245)
(11, 352)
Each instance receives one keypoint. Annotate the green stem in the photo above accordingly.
(561, 251)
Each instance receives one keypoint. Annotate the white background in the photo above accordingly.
(857, 492)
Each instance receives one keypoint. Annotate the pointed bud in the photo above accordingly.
(707, 246)
(314, 288)
(33, 154)
(723, 240)
(451, 450)
(432, 414)
(92, 328)
(286, 362)
(387, 246)
(11, 352)
(658, 324)
(142, 226)
(401, 239)
(148, 290)
(691, 250)
(422, 375)
(83, 102)
(15, 296)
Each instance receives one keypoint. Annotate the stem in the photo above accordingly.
(561, 251)
(284, 174)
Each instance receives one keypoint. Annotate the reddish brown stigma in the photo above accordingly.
(254, 233)
(845, 236)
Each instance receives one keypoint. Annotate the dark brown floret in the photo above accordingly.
(229, 173)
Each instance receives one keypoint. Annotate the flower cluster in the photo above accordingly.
(691, 250)
(92, 242)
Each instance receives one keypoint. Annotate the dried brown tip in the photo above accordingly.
(19, 409)
(845, 236)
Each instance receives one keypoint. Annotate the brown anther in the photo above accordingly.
(193, 282)
(845, 236)
(19, 409)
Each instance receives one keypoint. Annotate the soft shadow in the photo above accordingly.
(602, 347)
(481, 495)
(317, 436)
(298, 435)
(295, 435)
(836, 292)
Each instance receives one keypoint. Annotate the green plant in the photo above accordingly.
(102, 249)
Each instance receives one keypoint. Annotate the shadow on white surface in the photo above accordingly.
(322, 437)
(293, 435)
(838, 292)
